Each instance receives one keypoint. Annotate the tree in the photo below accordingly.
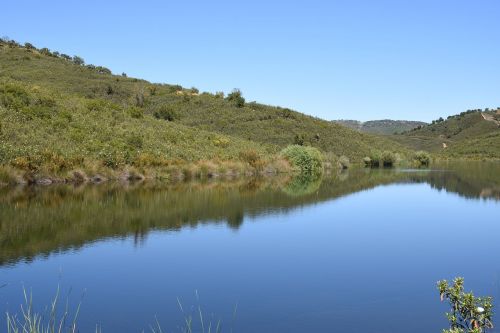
(29, 46)
(45, 51)
(469, 314)
(236, 97)
(78, 60)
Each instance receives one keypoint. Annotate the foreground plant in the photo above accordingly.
(469, 314)
(31, 321)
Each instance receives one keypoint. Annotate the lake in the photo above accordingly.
(358, 251)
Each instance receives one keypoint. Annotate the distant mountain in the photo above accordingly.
(384, 126)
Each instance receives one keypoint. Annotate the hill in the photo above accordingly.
(384, 126)
(473, 133)
(58, 111)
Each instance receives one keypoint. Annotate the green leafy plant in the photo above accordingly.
(237, 98)
(166, 113)
(307, 160)
(422, 158)
(469, 314)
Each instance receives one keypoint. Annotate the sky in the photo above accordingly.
(352, 59)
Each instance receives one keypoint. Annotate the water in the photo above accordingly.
(355, 252)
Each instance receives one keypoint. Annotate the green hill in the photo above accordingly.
(384, 126)
(474, 133)
(57, 112)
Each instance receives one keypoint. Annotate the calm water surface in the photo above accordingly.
(355, 252)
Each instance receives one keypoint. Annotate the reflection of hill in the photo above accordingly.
(39, 221)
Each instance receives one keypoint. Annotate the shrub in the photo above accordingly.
(135, 141)
(166, 112)
(469, 314)
(236, 97)
(344, 162)
(135, 112)
(388, 159)
(307, 160)
(252, 158)
(29, 46)
(45, 51)
(299, 139)
(78, 60)
(367, 161)
(330, 160)
(102, 70)
(422, 158)
(221, 141)
(375, 158)
(152, 90)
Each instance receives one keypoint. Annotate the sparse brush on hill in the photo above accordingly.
(470, 134)
(59, 115)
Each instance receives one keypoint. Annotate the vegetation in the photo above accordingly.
(33, 322)
(385, 126)
(469, 314)
(59, 115)
(422, 158)
(377, 159)
(306, 160)
(470, 134)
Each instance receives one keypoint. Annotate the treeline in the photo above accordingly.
(77, 60)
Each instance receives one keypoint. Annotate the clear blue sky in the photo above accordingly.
(349, 59)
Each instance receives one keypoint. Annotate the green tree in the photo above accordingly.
(469, 314)
(236, 97)
(78, 60)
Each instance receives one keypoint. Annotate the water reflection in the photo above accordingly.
(37, 221)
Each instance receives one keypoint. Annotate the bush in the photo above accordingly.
(135, 112)
(307, 160)
(299, 139)
(367, 161)
(237, 98)
(253, 158)
(388, 159)
(166, 113)
(422, 158)
(375, 158)
(344, 162)
(78, 60)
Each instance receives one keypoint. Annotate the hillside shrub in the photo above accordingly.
(388, 159)
(422, 158)
(166, 113)
(236, 97)
(252, 157)
(307, 160)
(344, 162)
(375, 158)
(135, 112)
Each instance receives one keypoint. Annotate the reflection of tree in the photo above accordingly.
(303, 184)
(235, 220)
(38, 221)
